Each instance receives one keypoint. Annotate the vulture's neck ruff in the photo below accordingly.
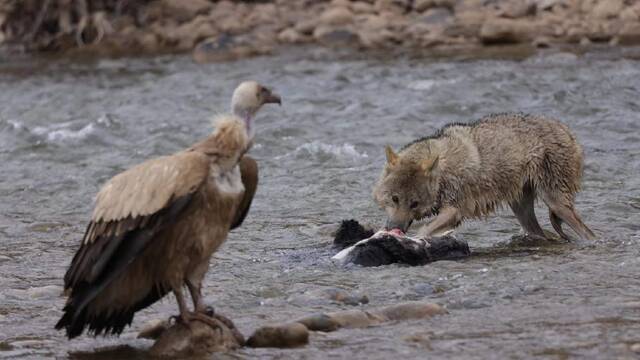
(247, 116)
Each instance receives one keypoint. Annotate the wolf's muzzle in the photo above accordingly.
(404, 226)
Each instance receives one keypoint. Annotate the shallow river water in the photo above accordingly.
(66, 127)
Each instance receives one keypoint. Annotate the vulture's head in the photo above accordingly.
(248, 98)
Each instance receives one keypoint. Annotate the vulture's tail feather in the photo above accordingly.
(104, 323)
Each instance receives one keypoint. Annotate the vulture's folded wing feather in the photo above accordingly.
(249, 174)
(131, 208)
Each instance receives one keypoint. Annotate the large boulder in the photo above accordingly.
(336, 16)
(185, 10)
(280, 336)
(198, 338)
(505, 31)
(630, 34)
(606, 9)
(226, 47)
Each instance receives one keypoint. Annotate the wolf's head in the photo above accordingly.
(407, 189)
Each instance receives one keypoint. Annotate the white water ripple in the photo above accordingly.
(317, 148)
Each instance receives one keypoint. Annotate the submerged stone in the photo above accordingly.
(280, 336)
(197, 338)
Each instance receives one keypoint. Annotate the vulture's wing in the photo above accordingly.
(249, 174)
(130, 209)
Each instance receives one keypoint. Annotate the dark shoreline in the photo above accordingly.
(229, 30)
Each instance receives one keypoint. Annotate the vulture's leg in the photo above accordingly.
(185, 316)
(196, 296)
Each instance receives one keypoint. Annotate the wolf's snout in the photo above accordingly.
(403, 226)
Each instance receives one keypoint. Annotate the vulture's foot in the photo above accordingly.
(209, 311)
(183, 318)
(210, 318)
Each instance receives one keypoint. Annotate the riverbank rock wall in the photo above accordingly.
(244, 28)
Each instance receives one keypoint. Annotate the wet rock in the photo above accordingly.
(280, 336)
(424, 289)
(439, 15)
(184, 10)
(48, 291)
(197, 339)
(336, 36)
(361, 7)
(606, 9)
(328, 295)
(306, 26)
(630, 34)
(517, 9)
(227, 47)
(466, 24)
(548, 4)
(360, 318)
(541, 42)
(262, 13)
(504, 31)
(336, 16)
(319, 322)
(422, 5)
(378, 38)
(630, 14)
(599, 32)
(148, 41)
(411, 311)
(391, 6)
(153, 329)
(291, 36)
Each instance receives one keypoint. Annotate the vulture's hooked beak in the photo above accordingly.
(272, 98)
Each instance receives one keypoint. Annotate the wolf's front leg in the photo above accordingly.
(448, 218)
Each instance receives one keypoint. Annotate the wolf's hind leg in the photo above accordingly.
(448, 218)
(563, 211)
(556, 222)
(524, 211)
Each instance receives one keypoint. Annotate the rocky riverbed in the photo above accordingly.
(226, 30)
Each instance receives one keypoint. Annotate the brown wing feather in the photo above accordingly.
(128, 202)
(122, 250)
(249, 174)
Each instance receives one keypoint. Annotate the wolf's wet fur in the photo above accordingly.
(467, 171)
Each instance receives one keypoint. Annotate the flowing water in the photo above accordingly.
(66, 127)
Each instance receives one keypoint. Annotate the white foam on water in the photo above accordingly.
(428, 84)
(62, 133)
(340, 151)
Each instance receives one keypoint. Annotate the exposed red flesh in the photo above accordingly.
(397, 232)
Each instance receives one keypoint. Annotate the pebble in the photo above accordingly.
(280, 336)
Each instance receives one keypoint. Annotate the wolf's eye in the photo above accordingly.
(414, 205)
(395, 199)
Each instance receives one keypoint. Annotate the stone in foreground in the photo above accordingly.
(333, 321)
(198, 338)
(280, 336)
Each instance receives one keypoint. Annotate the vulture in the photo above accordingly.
(155, 226)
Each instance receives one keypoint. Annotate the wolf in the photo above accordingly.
(468, 170)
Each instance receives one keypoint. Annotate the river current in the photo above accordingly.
(68, 126)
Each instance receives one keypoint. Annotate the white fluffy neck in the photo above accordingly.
(247, 116)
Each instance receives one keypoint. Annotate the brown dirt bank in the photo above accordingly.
(223, 30)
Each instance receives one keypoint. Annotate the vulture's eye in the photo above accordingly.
(414, 205)
(395, 199)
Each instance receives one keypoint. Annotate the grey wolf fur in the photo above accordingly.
(467, 171)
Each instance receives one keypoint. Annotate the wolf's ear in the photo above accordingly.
(430, 164)
(392, 157)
